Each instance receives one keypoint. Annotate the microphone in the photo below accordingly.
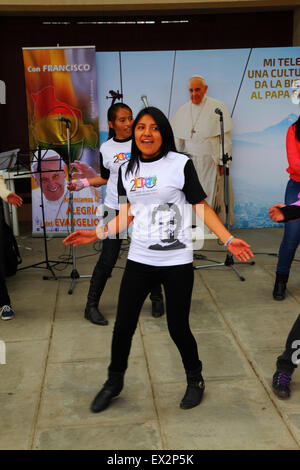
(64, 119)
(145, 101)
(218, 111)
(114, 95)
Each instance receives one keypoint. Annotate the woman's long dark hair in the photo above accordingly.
(297, 129)
(165, 129)
(112, 114)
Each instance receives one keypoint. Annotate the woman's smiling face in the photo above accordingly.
(148, 137)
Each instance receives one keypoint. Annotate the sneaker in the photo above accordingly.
(280, 384)
(6, 312)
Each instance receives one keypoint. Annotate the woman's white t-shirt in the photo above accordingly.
(113, 153)
(161, 193)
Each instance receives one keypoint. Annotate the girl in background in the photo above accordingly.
(287, 362)
(291, 237)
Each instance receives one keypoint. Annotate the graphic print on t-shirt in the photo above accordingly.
(121, 157)
(143, 183)
(170, 181)
(167, 219)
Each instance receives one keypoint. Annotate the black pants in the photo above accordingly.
(137, 282)
(4, 297)
(109, 256)
(286, 362)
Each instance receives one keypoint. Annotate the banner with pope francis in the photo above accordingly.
(256, 92)
(62, 104)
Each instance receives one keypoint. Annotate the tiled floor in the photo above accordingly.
(56, 360)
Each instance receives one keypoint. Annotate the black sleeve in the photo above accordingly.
(192, 188)
(104, 172)
(121, 189)
(290, 212)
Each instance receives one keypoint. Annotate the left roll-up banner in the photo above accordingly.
(63, 122)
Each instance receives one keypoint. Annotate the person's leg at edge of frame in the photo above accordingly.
(287, 362)
(178, 284)
(6, 311)
(134, 289)
(289, 244)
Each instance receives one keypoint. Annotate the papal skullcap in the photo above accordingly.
(198, 76)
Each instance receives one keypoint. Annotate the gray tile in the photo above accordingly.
(294, 421)
(17, 416)
(230, 293)
(261, 329)
(26, 294)
(71, 387)
(234, 414)
(20, 386)
(27, 325)
(240, 331)
(219, 355)
(124, 436)
(33, 315)
(84, 340)
(24, 368)
(204, 315)
(71, 307)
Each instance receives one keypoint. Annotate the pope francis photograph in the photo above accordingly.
(197, 132)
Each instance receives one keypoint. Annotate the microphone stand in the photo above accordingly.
(47, 261)
(229, 261)
(74, 274)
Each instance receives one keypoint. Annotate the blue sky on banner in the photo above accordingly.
(263, 108)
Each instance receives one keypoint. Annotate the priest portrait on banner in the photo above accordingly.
(197, 132)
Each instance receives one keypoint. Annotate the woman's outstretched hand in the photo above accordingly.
(83, 170)
(81, 237)
(15, 200)
(275, 213)
(240, 249)
(75, 185)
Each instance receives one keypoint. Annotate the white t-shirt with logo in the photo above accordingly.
(113, 153)
(161, 192)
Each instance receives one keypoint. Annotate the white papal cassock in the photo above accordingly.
(197, 132)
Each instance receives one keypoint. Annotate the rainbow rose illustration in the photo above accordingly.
(49, 132)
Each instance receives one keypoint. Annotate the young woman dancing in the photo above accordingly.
(160, 184)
